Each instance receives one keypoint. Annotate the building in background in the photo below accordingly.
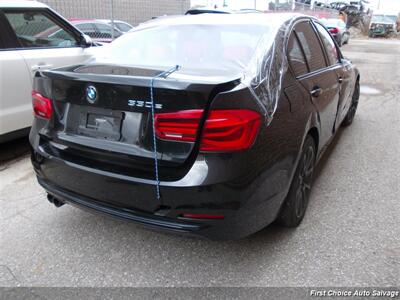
(131, 11)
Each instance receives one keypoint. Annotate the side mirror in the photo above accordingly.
(86, 41)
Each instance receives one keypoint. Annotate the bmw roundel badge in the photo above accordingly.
(91, 94)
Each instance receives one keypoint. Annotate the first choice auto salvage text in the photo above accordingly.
(355, 293)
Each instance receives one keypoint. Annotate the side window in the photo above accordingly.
(329, 44)
(296, 57)
(88, 29)
(123, 27)
(311, 46)
(36, 29)
(105, 31)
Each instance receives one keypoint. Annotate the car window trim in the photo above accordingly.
(53, 16)
(302, 52)
(323, 46)
(309, 20)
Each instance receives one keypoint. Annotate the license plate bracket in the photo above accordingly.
(100, 124)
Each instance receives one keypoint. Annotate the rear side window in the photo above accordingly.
(105, 31)
(88, 29)
(329, 44)
(311, 46)
(36, 29)
(296, 57)
(123, 27)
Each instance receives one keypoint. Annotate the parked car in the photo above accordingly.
(338, 30)
(215, 131)
(207, 10)
(24, 49)
(121, 26)
(383, 24)
(99, 31)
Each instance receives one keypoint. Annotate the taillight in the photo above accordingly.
(230, 130)
(334, 30)
(42, 106)
(178, 126)
(224, 130)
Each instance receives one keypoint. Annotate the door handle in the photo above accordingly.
(316, 91)
(41, 67)
(340, 79)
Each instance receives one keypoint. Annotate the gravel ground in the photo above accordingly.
(350, 235)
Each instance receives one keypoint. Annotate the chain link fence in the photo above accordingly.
(96, 17)
(104, 20)
(298, 7)
(131, 11)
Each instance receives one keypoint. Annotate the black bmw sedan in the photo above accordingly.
(208, 125)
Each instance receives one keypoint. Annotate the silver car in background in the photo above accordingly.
(122, 26)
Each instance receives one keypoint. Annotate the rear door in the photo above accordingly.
(343, 70)
(321, 80)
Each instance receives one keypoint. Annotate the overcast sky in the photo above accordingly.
(387, 4)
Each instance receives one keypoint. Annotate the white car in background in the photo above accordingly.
(25, 47)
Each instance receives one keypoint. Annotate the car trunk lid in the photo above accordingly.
(113, 131)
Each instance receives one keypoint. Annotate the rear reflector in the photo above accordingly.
(203, 216)
(42, 106)
(224, 130)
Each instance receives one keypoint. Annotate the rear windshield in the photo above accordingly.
(190, 46)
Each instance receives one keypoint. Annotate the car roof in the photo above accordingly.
(21, 4)
(109, 21)
(267, 19)
(87, 21)
(211, 10)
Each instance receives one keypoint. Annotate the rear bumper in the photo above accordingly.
(247, 205)
(130, 215)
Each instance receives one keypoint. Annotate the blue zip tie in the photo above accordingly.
(164, 75)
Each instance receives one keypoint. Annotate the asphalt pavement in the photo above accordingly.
(350, 235)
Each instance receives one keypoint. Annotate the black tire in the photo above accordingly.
(348, 120)
(296, 202)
